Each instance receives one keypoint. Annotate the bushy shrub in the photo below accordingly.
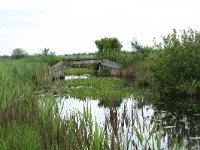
(176, 66)
(108, 45)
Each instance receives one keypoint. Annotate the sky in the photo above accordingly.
(72, 26)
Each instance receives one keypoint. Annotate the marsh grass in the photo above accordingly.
(31, 122)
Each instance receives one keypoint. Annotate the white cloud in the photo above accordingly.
(72, 26)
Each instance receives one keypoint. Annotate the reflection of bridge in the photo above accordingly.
(57, 70)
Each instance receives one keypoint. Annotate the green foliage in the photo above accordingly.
(48, 60)
(104, 72)
(19, 78)
(105, 89)
(19, 136)
(46, 52)
(31, 120)
(144, 50)
(176, 65)
(78, 71)
(78, 56)
(18, 53)
(107, 45)
(4, 57)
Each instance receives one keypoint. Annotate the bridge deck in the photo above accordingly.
(82, 61)
(103, 62)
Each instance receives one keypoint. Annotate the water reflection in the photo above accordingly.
(117, 121)
(177, 123)
(184, 117)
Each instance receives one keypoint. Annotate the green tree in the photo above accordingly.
(176, 66)
(145, 50)
(46, 52)
(106, 46)
(18, 53)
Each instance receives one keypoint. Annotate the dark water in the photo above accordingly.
(176, 120)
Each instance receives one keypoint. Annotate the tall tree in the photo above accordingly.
(18, 53)
(106, 46)
(46, 52)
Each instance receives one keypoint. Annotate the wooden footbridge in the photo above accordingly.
(57, 71)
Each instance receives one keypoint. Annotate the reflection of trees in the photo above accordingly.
(110, 103)
(114, 125)
(120, 124)
(183, 114)
(121, 120)
(185, 122)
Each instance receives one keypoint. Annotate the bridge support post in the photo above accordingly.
(100, 69)
(57, 71)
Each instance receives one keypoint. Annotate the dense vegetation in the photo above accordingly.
(171, 67)
(31, 120)
(176, 65)
(29, 113)
(108, 90)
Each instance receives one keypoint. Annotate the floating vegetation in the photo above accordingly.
(104, 89)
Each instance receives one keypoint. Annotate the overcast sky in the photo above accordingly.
(72, 26)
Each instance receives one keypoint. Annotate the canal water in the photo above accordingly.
(175, 121)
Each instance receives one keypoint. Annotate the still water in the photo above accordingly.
(174, 121)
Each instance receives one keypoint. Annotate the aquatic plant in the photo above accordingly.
(105, 89)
